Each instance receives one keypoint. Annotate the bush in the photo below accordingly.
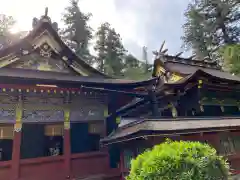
(179, 161)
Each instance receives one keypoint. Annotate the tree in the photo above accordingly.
(194, 33)
(179, 161)
(77, 33)
(6, 23)
(135, 69)
(115, 53)
(110, 50)
(231, 56)
(100, 46)
(210, 25)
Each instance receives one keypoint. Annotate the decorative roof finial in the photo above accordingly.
(46, 11)
(45, 17)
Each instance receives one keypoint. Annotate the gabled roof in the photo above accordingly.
(186, 66)
(42, 33)
(220, 76)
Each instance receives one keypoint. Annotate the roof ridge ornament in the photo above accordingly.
(46, 12)
(45, 17)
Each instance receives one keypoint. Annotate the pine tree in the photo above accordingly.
(115, 53)
(194, 33)
(100, 46)
(210, 25)
(77, 33)
(110, 50)
(135, 69)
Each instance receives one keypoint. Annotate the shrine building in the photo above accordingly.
(193, 100)
(53, 109)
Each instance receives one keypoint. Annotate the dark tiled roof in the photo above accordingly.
(185, 68)
(173, 125)
(190, 62)
(33, 76)
(190, 67)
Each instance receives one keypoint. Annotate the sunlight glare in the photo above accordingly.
(15, 30)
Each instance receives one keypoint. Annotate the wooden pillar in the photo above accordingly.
(105, 121)
(17, 141)
(67, 144)
(153, 102)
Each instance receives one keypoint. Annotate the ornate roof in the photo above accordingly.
(179, 67)
(43, 40)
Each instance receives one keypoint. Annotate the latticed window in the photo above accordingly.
(128, 156)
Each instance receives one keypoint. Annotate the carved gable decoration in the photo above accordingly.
(42, 62)
(174, 78)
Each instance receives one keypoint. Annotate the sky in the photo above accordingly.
(139, 22)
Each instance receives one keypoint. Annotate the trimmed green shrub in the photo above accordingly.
(179, 160)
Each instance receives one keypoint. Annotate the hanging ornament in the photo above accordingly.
(222, 108)
(193, 112)
(174, 112)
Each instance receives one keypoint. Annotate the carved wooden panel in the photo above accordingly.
(7, 115)
(42, 115)
(87, 113)
(7, 108)
(37, 62)
(85, 101)
(43, 103)
(83, 108)
(6, 100)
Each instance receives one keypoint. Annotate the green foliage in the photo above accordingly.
(77, 33)
(110, 50)
(231, 56)
(179, 161)
(135, 69)
(210, 25)
(194, 33)
(6, 23)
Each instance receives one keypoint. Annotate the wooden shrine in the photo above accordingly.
(53, 109)
(190, 100)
